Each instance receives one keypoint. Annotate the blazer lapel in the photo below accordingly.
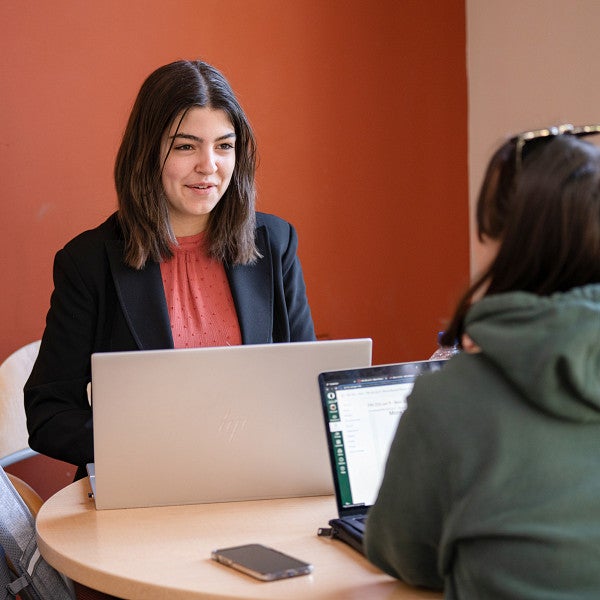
(142, 298)
(252, 290)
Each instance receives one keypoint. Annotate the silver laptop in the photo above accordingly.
(213, 424)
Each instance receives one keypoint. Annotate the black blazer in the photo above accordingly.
(101, 305)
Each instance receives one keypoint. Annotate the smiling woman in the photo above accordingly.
(185, 261)
(198, 157)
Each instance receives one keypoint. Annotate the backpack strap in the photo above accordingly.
(6, 578)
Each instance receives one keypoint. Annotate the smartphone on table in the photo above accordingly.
(261, 562)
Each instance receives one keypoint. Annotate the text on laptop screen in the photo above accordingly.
(363, 417)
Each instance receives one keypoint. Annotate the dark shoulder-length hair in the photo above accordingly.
(143, 212)
(546, 217)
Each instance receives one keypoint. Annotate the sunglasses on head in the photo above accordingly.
(522, 139)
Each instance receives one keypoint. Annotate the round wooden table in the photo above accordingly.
(164, 552)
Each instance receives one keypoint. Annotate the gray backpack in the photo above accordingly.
(29, 575)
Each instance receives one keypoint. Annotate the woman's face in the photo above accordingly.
(198, 167)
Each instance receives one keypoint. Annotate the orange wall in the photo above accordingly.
(360, 110)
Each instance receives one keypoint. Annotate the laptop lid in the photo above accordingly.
(362, 408)
(213, 424)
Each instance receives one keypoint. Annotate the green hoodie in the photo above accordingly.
(492, 486)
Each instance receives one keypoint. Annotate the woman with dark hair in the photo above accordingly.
(184, 262)
(492, 487)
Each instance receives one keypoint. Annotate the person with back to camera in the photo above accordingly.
(492, 485)
(184, 262)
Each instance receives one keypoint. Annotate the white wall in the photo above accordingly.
(530, 63)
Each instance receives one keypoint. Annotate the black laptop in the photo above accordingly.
(362, 408)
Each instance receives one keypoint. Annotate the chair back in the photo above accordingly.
(14, 372)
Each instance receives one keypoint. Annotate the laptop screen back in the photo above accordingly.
(213, 424)
(362, 408)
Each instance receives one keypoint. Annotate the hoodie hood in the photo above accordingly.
(546, 346)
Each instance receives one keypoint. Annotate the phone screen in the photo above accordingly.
(261, 561)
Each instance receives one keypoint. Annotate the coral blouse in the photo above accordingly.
(198, 296)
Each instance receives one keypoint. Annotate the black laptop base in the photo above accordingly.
(346, 532)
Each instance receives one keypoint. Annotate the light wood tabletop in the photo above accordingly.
(164, 552)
